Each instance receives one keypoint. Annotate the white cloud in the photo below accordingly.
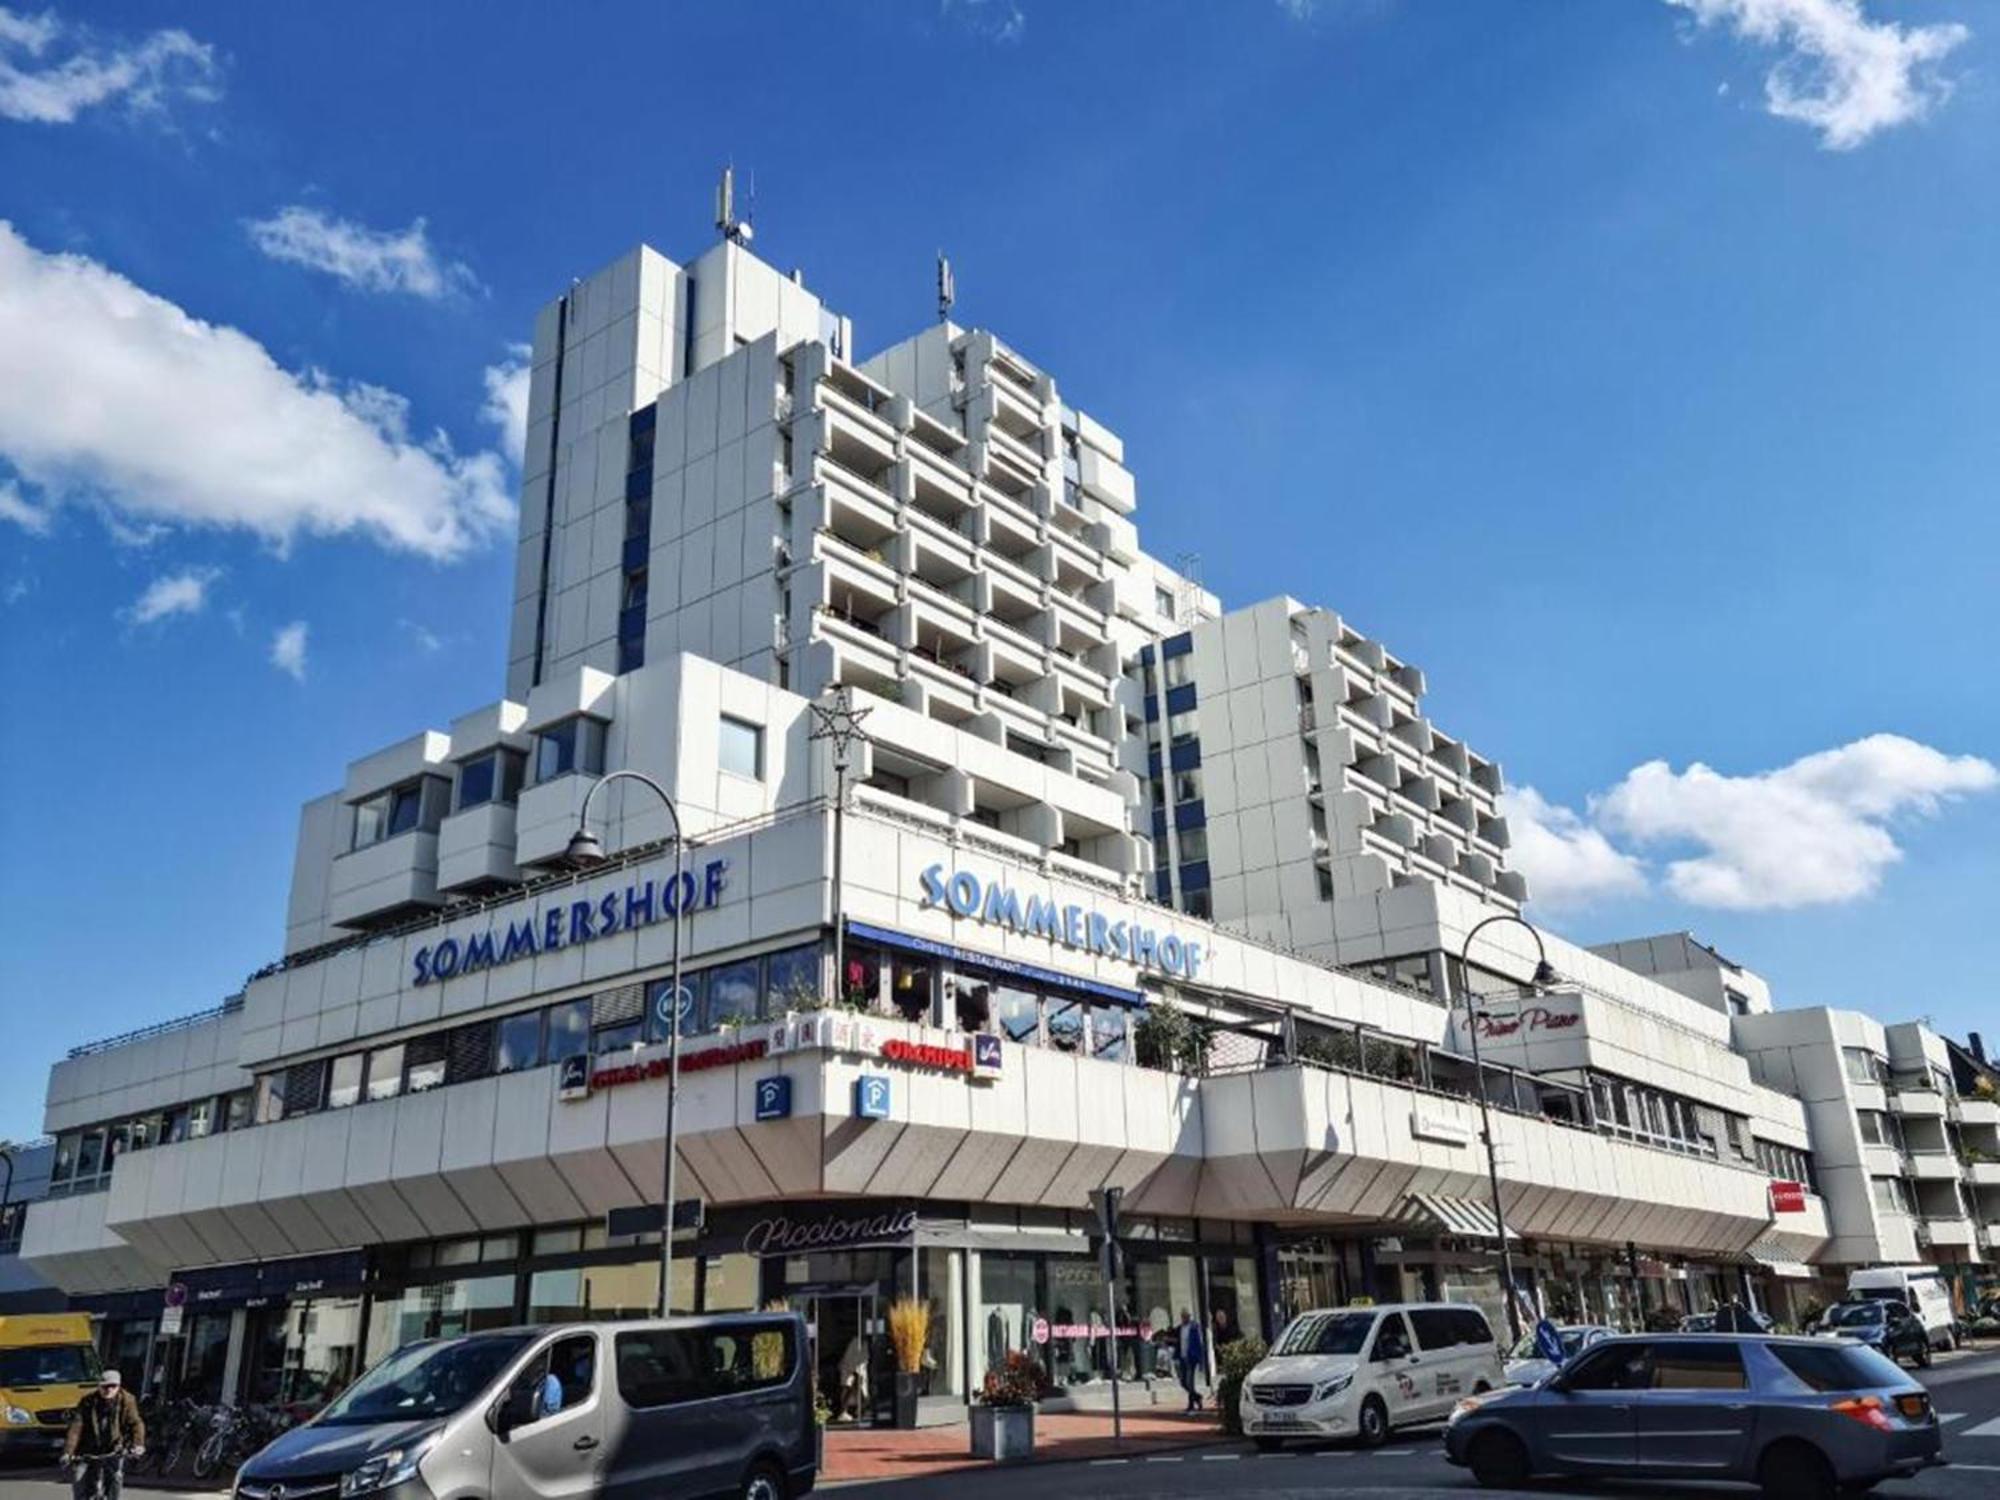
(182, 593)
(1567, 862)
(423, 637)
(32, 519)
(110, 393)
(39, 88)
(374, 260)
(995, 20)
(1842, 73)
(507, 400)
(1812, 833)
(288, 650)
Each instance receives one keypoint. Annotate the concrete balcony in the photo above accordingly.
(1932, 1166)
(1985, 1174)
(377, 883)
(1951, 1234)
(1917, 1104)
(475, 848)
(1983, 1112)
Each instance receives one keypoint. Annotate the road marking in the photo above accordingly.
(1100, 1462)
(1220, 1458)
(1984, 1429)
(1394, 1452)
(1980, 1468)
(1946, 1418)
(1277, 1455)
(1160, 1458)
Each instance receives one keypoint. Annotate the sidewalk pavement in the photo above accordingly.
(901, 1453)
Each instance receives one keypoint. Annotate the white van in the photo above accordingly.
(1919, 1288)
(1358, 1372)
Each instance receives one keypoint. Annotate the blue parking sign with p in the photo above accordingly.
(774, 1098)
(871, 1098)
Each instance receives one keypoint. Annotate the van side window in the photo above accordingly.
(663, 1367)
(560, 1377)
(1392, 1339)
(1437, 1327)
(1472, 1325)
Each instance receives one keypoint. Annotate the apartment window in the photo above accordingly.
(639, 517)
(385, 1072)
(345, 1087)
(492, 777)
(574, 744)
(740, 748)
(635, 589)
(424, 1063)
(201, 1119)
(1198, 904)
(1180, 669)
(1873, 1131)
(1194, 845)
(1325, 882)
(237, 1109)
(1892, 1195)
(1182, 727)
(1163, 600)
(1864, 1066)
(396, 811)
(270, 1101)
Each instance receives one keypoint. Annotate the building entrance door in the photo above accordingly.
(850, 1349)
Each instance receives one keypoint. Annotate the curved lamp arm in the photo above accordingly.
(585, 848)
(1545, 973)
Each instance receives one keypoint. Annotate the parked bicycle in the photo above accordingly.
(236, 1432)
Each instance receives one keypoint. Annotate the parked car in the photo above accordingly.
(716, 1406)
(1919, 1288)
(1886, 1327)
(1804, 1418)
(1527, 1366)
(1358, 1372)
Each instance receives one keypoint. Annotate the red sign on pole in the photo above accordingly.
(1788, 1197)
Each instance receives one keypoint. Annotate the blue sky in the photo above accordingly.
(1629, 366)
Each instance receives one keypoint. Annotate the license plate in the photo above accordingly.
(1279, 1419)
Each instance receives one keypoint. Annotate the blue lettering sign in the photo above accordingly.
(871, 1097)
(774, 1098)
(996, 904)
(563, 925)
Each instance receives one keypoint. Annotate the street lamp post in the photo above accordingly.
(1544, 975)
(585, 850)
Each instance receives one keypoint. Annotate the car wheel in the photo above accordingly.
(1498, 1460)
(1372, 1430)
(1924, 1355)
(765, 1482)
(1796, 1471)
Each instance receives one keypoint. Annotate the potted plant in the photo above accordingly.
(822, 1414)
(909, 1332)
(1003, 1414)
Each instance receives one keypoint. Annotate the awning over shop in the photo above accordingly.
(1466, 1217)
(1779, 1264)
(888, 937)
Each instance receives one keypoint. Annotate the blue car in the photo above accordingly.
(1805, 1419)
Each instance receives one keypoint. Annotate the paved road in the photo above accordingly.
(1966, 1392)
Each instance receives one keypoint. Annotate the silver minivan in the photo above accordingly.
(678, 1406)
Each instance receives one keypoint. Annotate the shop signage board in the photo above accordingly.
(171, 1319)
(872, 1094)
(1788, 1197)
(840, 1228)
(1125, 936)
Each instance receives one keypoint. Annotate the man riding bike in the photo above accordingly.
(106, 1430)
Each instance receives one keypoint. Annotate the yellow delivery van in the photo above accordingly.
(47, 1365)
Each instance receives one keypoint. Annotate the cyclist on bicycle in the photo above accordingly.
(106, 1429)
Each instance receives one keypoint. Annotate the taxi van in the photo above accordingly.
(47, 1365)
(1358, 1372)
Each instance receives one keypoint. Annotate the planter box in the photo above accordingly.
(1005, 1434)
(909, 1389)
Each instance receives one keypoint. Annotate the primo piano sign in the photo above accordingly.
(995, 904)
(566, 924)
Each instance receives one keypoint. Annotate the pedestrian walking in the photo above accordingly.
(1191, 1354)
(106, 1430)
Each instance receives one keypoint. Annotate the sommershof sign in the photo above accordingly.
(565, 924)
(964, 894)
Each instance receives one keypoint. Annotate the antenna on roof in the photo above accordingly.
(947, 288)
(736, 231)
(1187, 597)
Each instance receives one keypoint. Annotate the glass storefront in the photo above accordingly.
(302, 1354)
(440, 1309)
(205, 1355)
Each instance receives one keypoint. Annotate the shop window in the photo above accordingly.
(424, 1063)
(693, 986)
(441, 1309)
(575, 744)
(469, 1052)
(566, 1241)
(730, 1283)
(1017, 1014)
(385, 1072)
(861, 984)
(732, 994)
(569, 1029)
(607, 1293)
(517, 1042)
(791, 979)
(344, 1088)
(740, 747)
(1067, 1024)
(1108, 1040)
(972, 1002)
(493, 777)
(910, 987)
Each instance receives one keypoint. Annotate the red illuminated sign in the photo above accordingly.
(925, 1055)
(691, 1062)
(1788, 1197)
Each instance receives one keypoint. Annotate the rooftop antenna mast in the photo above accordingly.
(736, 231)
(947, 288)
(1187, 603)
